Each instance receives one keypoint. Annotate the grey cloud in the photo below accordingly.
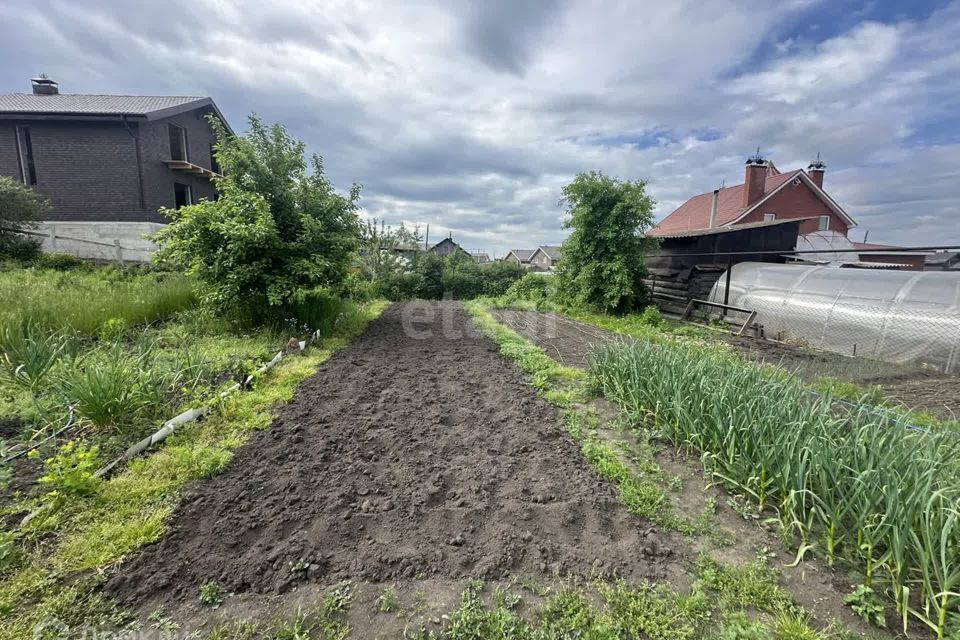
(392, 95)
(502, 33)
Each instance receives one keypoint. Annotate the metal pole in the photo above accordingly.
(726, 288)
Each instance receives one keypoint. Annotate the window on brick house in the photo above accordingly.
(823, 223)
(769, 217)
(182, 195)
(178, 143)
(28, 171)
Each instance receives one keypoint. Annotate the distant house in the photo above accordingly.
(447, 246)
(766, 195)
(545, 258)
(519, 256)
(480, 257)
(107, 163)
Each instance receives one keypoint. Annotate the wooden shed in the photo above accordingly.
(684, 269)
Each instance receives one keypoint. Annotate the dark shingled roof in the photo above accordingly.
(79, 104)
(523, 254)
(553, 252)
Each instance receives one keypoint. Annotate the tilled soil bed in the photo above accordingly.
(417, 451)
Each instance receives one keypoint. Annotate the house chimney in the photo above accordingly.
(754, 182)
(713, 209)
(44, 86)
(815, 171)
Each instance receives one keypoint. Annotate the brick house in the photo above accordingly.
(107, 163)
(766, 195)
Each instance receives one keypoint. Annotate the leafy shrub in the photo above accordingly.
(315, 309)
(274, 230)
(21, 249)
(602, 265)
(58, 262)
(498, 277)
(866, 604)
(429, 276)
(71, 470)
(532, 287)
(460, 277)
(212, 594)
(112, 329)
(651, 317)
(401, 286)
(20, 206)
(359, 288)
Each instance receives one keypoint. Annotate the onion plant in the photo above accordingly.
(842, 479)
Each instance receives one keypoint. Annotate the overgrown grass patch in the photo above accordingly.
(82, 301)
(77, 535)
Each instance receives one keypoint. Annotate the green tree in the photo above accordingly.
(379, 244)
(601, 262)
(429, 269)
(20, 207)
(275, 232)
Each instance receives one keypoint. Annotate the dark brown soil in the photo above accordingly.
(24, 471)
(912, 386)
(567, 341)
(10, 428)
(817, 588)
(934, 393)
(417, 451)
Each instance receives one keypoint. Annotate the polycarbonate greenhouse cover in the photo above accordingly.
(893, 316)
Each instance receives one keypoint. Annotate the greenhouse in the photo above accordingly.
(893, 316)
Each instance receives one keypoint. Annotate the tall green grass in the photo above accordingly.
(84, 301)
(845, 482)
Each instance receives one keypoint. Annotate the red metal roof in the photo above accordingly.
(695, 212)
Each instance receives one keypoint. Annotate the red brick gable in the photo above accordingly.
(790, 202)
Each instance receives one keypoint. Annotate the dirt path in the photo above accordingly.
(567, 341)
(418, 451)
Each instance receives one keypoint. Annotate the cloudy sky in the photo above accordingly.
(470, 116)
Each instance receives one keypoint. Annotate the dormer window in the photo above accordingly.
(769, 217)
